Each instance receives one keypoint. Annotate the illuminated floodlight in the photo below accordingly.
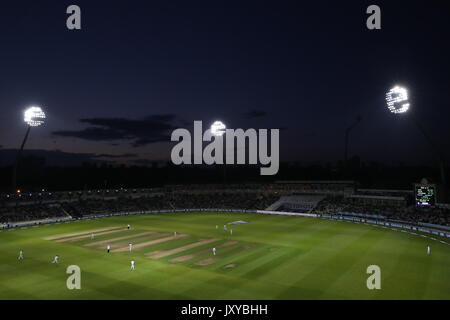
(34, 116)
(397, 100)
(218, 129)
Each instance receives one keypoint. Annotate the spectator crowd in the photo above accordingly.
(159, 201)
(412, 213)
(77, 204)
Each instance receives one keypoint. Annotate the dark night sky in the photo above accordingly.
(139, 69)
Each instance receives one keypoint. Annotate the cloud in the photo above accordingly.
(92, 133)
(144, 162)
(151, 129)
(52, 157)
(254, 114)
(115, 156)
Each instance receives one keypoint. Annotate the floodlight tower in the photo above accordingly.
(398, 102)
(218, 129)
(34, 117)
(347, 133)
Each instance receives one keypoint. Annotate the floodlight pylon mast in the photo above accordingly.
(399, 96)
(347, 133)
(16, 163)
(436, 150)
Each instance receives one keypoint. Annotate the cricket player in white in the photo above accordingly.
(108, 248)
(214, 251)
(20, 255)
(92, 236)
(56, 259)
(231, 231)
(132, 265)
(175, 234)
(224, 227)
(129, 227)
(130, 246)
(428, 250)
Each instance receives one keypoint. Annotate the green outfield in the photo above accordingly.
(271, 257)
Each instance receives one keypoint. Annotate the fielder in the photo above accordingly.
(56, 259)
(20, 255)
(130, 246)
(225, 227)
(129, 227)
(132, 265)
(214, 251)
(175, 234)
(428, 250)
(92, 236)
(231, 231)
(108, 248)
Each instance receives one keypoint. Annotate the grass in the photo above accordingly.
(276, 257)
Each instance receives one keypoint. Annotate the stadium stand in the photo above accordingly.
(320, 198)
(82, 206)
(304, 203)
(413, 214)
(30, 212)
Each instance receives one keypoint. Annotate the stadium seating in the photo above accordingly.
(304, 203)
(13, 212)
(76, 204)
(435, 215)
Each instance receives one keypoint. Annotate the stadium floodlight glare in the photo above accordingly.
(218, 128)
(34, 116)
(397, 100)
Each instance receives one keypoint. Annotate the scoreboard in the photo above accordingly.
(425, 194)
